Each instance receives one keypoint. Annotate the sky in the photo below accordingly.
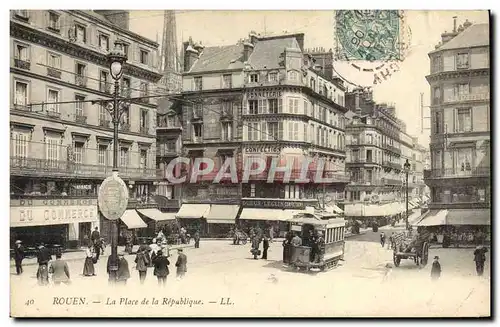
(214, 28)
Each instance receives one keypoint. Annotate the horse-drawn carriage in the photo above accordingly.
(322, 255)
(406, 246)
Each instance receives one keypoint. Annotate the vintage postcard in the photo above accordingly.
(177, 163)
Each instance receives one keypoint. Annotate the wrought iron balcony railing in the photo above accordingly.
(53, 72)
(457, 172)
(81, 119)
(81, 80)
(468, 97)
(23, 64)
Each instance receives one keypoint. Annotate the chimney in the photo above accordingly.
(247, 50)
(454, 24)
(190, 55)
(445, 37)
(467, 24)
(253, 37)
(199, 47)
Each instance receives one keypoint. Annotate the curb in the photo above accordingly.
(175, 247)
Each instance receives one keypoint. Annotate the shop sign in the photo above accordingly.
(263, 149)
(52, 215)
(274, 204)
(113, 197)
(82, 187)
(268, 94)
(52, 202)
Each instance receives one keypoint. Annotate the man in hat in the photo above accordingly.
(95, 236)
(480, 258)
(123, 272)
(59, 270)
(18, 257)
(436, 269)
(43, 258)
(181, 264)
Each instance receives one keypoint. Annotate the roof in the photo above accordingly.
(266, 54)
(219, 58)
(475, 36)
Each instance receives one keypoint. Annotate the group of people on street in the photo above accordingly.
(313, 239)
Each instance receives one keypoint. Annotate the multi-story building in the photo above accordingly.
(260, 98)
(377, 148)
(459, 79)
(61, 142)
(420, 190)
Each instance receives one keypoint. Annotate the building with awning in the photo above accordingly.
(132, 220)
(193, 211)
(456, 217)
(263, 214)
(221, 218)
(157, 215)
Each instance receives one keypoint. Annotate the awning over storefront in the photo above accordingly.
(222, 214)
(434, 218)
(468, 217)
(262, 214)
(193, 211)
(289, 214)
(157, 215)
(132, 220)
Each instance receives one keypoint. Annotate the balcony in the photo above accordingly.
(105, 87)
(392, 165)
(468, 97)
(23, 64)
(54, 114)
(391, 181)
(167, 150)
(81, 119)
(197, 139)
(53, 72)
(104, 123)
(34, 167)
(457, 173)
(81, 80)
(169, 125)
(361, 161)
(391, 148)
(144, 130)
(125, 127)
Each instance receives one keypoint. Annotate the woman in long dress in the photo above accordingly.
(88, 267)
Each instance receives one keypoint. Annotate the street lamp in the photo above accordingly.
(116, 59)
(407, 170)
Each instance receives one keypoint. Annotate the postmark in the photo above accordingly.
(370, 45)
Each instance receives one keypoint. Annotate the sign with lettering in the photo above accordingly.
(51, 215)
(263, 149)
(60, 202)
(264, 93)
(275, 204)
(113, 197)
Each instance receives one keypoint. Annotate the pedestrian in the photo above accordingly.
(161, 271)
(382, 239)
(296, 240)
(197, 240)
(95, 236)
(155, 247)
(97, 249)
(181, 264)
(43, 259)
(255, 246)
(265, 245)
(142, 263)
(19, 256)
(436, 269)
(60, 271)
(480, 258)
(391, 239)
(320, 254)
(88, 266)
(123, 273)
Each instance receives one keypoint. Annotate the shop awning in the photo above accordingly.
(262, 214)
(132, 220)
(157, 215)
(193, 211)
(434, 218)
(222, 214)
(468, 217)
(289, 214)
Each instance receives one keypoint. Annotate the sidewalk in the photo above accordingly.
(80, 254)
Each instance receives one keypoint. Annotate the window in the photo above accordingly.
(143, 164)
(437, 123)
(19, 146)
(273, 77)
(104, 42)
(227, 81)
(54, 21)
(253, 108)
(293, 105)
(103, 115)
(197, 130)
(273, 131)
(21, 94)
(262, 106)
(306, 107)
(462, 61)
(144, 57)
(80, 70)
(436, 97)
(436, 64)
(103, 82)
(254, 78)
(80, 33)
(461, 89)
(144, 119)
(463, 160)
(293, 76)
(126, 48)
(293, 131)
(102, 157)
(126, 86)
(292, 192)
(53, 60)
(355, 155)
(52, 146)
(227, 131)
(22, 52)
(227, 108)
(79, 105)
(144, 89)
(198, 83)
(78, 150)
(52, 101)
(124, 156)
(253, 131)
(252, 190)
(464, 120)
(273, 106)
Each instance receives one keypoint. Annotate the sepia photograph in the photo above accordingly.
(250, 163)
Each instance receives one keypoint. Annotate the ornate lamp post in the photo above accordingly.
(407, 170)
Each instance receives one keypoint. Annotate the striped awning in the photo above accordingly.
(132, 220)
(157, 215)
(222, 214)
(434, 218)
(262, 214)
(193, 211)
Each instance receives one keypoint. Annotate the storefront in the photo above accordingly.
(155, 220)
(193, 218)
(63, 221)
(220, 219)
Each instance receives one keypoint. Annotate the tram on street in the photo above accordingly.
(313, 255)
